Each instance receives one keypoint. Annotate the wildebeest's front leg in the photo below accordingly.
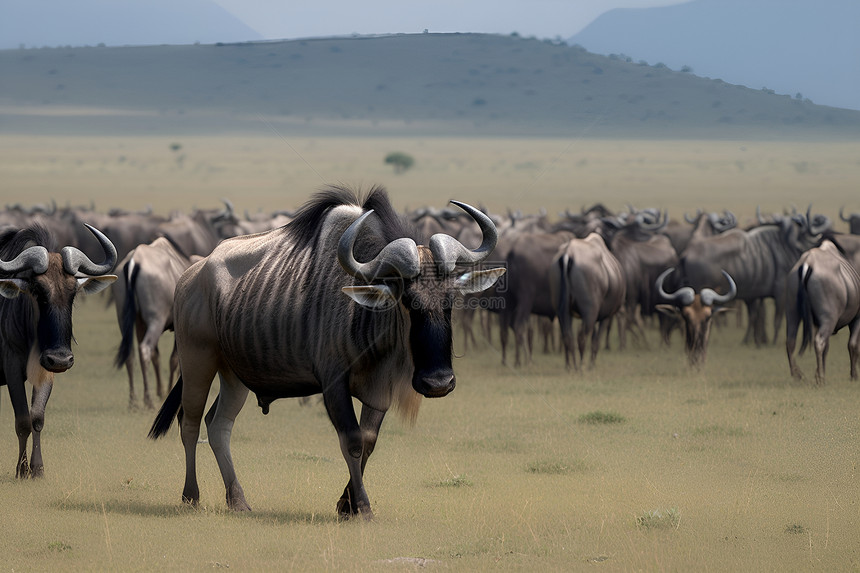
(338, 403)
(41, 393)
(371, 420)
(23, 423)
(230, 401)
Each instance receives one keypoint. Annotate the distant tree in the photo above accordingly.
(686, 69)
(401, 161)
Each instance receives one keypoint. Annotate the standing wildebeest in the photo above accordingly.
(38, 287)
(696, 309)
(853, 221)
(528, 262)
(758, 260)
(822, 292)
(268, 313)
(585, 280)
(144, 304)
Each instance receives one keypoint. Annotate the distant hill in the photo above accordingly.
(811, 47)
(38, 23)
(427, 83)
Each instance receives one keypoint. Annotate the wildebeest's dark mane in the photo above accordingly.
(13, 241)
(305, 226)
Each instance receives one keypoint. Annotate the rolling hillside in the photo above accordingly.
(802, 46)
(467, 84)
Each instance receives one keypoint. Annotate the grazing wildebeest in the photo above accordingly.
(823, 293)
(585, 280)
(144, 305)
(696, 309)
(269, 314)
(38, 287)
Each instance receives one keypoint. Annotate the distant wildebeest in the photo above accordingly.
(293, 313)
(822, 294)
(853, 221)
(528, 292)
(643, 253)
(144, 305)
(695, 309)
(758, 260)
(38, 287)
(585, 280)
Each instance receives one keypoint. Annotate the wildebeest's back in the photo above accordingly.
(277, 312)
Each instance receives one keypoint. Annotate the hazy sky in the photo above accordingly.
(542, 18)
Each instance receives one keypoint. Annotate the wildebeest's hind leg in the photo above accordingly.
(230, 401)
(792, 322)
(854, 346)
(195, 390)
(821, 342)
(371, 420)
(338, 403)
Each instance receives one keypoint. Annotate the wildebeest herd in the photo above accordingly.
(348, 298)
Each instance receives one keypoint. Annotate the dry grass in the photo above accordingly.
(762, 470)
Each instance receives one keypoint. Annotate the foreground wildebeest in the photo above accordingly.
(268, 313)
(695, 309)
(144, 305)
(822, 293)
(585, 280)
(38, 286)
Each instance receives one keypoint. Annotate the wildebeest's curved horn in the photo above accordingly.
(758, 216)
(35, 258)
(448, 251)
(657, 225)
(813, 228)
(399, 258)
(684, 295)
(75, 260)
(841, 216)
(710, 297)
(694, 219)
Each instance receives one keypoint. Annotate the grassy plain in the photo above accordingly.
(639, 464)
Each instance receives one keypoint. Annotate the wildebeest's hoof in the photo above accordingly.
(37, 472)
(346, 511)
(236, 498)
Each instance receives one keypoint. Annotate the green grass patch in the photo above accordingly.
(795, 529)
(717, 431)
(305, 457)
(456, 481)
(659, 519)
(601, 417)
(555, 467)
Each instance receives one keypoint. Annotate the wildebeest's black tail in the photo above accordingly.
(129, 315)
(172, 408)
(804, 309)
(564, 311)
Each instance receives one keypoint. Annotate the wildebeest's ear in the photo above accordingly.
(668, 309)
(477, 281)
(92, 285)
(378, 297)
(11, 288)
